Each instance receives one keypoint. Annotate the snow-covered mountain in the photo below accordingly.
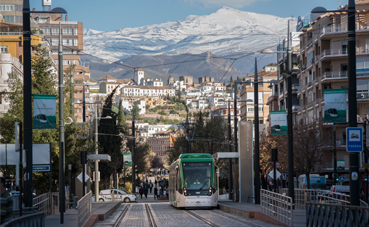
(227, 33)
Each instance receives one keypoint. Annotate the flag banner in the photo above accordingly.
(335, 106)
(127, 159)
(44, 111)
(172, 140)
(278, 123)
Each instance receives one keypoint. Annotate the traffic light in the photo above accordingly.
(336, 179)
(366, 177)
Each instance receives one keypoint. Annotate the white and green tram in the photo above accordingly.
(193, 181)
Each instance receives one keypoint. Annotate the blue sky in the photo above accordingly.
(110, 15)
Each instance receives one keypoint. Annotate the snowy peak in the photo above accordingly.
(227, 31)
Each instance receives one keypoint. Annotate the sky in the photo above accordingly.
(109, 15)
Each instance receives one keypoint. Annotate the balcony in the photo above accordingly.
(272, 98)
(11, 33)
(334, 75)
(333, 53)
(362, 118)
(295, 88)
(296, 108)
(8, 58)
(332, 29)
(309, 64)
(362, 96)
(281, 95)
(316, 58)
(310, 105)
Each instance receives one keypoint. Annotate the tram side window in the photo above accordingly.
(215, 179)
(179, 181)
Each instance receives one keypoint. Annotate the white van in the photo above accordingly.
(340, 188)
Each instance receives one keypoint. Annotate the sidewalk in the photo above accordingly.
(251, 210)
(100, 211)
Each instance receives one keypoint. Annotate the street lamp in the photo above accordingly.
(256, 121)
(352, 100)
(291, 189)
(97, 151)
(27, 107)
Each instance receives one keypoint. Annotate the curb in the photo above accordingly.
(94, 218)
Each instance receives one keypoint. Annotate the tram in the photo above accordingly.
(193, 181)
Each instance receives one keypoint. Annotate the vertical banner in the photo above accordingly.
(335, 106)
(127, 159)
(278, 122)
(44, 111)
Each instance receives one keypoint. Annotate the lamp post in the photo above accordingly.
(27, 103)
(291, 191)
(97, 150)
(352, 100)
(256, 122)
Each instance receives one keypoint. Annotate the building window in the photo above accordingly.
(6, 7)
(3, 49)
(8, 19)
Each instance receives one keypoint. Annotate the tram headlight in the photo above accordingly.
(185, 191)
(210, 191)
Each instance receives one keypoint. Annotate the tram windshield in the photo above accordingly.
(197, 175)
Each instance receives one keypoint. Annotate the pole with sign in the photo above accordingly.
(127, 159)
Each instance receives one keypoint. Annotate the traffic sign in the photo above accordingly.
(283, 176)
(354, 139)
(271, 182)
(341, 179)
(41, 168)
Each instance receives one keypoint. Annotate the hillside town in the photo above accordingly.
(291, 128)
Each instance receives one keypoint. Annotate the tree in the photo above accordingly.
(231, 80)
(75, 136)
(142, 155)
(110, 141)
(122, 118)
(309, 143)
(209, 135)
(156, 162)
(179, 93)
(136, 110)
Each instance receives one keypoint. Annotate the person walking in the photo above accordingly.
(150, 184)
(141, 191)
(146, 190)
(155, 193)
(6, 202)
(156, 183)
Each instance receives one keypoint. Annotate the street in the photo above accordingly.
(164, 215)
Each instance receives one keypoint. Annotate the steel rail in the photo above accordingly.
(150, 216)
(202, 219)
(236, 219)
(121, 216)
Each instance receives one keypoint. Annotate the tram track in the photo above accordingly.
(236, 219)
(202, 219)
(121, 215)
(150, 216)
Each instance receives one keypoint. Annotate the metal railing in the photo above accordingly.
(277, 206)
(34, 220)
(84, 208)
(315, 195)
(323, 214)
(43, 203)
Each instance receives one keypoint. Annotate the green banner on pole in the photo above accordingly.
(335, 106)
(278, 123)
(127, 159)
(44, 111)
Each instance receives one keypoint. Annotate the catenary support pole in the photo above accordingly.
(230, 181)
(366, 161)
(133, 152)
(335, 174)
(61, 132)
(256, 121)
(96, 161)
(291, 192)
(27, 99)
(352, 102)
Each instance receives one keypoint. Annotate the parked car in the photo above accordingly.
(119, 195)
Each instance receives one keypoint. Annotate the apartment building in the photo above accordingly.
(12, 11)
(324, 66)
(264, 92)
(148, 91)
(11, 56)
